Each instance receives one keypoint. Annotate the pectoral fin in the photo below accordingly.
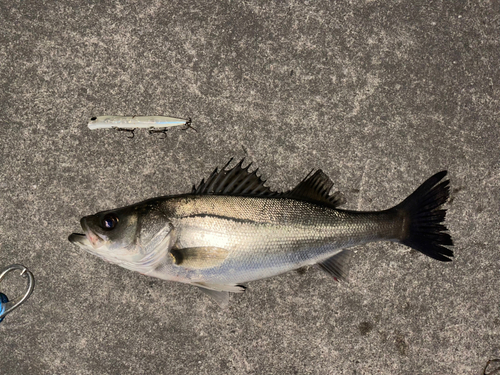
(199, 257)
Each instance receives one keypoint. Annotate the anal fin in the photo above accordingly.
(337, 265)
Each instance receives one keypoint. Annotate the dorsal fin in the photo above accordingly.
(239, 181)
(316, 188)
(235, 181)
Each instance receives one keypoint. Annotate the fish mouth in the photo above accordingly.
(88, 240)
(79, 239)
(82, 241)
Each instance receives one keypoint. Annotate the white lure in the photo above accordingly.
(136, 122)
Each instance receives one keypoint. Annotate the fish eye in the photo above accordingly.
(93, 119)
(109, 221)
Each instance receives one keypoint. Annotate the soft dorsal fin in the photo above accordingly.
(316, 188)
(235, 181)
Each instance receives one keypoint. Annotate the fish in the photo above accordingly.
(232, 229)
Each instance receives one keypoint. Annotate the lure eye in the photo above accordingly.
(93, 119)
(109, 221)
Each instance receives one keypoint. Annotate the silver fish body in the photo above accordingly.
(265, 237)
(232, 230)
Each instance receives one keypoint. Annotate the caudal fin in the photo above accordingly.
(424, 229)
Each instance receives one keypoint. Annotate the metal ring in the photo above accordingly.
(31, 285)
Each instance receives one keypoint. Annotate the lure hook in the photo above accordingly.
(161, 130)
(130, 131)
(7, 306)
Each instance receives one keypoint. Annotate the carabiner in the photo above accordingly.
(7, 306)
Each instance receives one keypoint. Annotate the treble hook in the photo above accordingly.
(160, 130)
(128, 131)
(7, 306)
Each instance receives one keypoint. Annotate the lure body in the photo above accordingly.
(135, 122)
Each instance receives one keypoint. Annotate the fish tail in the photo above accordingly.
(423, 218)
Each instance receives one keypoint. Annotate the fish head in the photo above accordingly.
(134, 237)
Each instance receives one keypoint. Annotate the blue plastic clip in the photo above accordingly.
(7, 306)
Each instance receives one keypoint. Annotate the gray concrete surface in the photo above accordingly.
(380, 95)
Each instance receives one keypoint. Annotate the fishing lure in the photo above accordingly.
(155, 124)
(7, 306)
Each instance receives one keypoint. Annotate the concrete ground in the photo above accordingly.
(380, 95)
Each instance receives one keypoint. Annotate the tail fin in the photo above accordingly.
(424, 230)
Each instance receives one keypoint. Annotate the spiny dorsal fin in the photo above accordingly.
(316, 188)
(235, 181)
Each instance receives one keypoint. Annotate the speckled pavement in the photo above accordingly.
(380, 95)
